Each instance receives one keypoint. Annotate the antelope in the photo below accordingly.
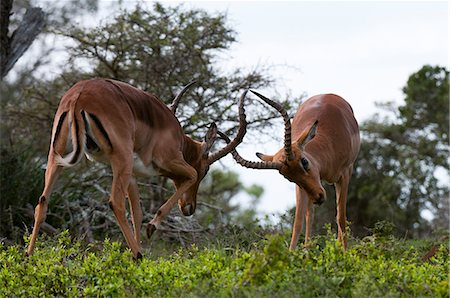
(137, 135)
(326, 144)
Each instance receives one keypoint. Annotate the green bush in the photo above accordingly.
(21, 183)
(370, 267)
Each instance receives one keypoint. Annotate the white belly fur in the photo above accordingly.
(140, 169)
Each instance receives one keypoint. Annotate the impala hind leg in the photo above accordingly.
(300, 208)
(122, 168)
(135, 208)
(189, 174)
(341, 205)
(40, 212)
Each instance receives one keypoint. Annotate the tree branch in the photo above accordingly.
(21, 39)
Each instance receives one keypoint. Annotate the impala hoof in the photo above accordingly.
(187, 210)
(151, 228)
(138, 257)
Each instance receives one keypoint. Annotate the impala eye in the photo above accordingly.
(305, 163)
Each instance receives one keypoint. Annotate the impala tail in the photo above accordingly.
(76, 133)
(79, 130)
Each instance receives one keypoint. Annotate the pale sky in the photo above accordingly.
(363, 51)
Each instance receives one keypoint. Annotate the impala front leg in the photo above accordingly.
(300, 208)
(135, 208)
(189, 175)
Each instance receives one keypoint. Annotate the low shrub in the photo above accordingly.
(374, 266)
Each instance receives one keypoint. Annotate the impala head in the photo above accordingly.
(197, 154)
(292, 161)
(300, 168)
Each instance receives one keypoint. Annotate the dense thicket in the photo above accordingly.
(374, 267)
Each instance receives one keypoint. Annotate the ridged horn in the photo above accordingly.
(246, 163)
(239, 137)
(174, 105)
(287, 124)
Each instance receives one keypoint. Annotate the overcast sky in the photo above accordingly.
(363, 51)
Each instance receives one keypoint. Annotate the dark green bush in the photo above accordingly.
(21, 183)
(371, 267)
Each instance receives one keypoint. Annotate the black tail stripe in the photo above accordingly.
(86, 123)
(101, 128)
(76, 137)
(91, 145)
(58, 128)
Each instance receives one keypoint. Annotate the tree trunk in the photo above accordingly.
(12, 48)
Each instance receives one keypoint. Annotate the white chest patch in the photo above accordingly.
(140, 169)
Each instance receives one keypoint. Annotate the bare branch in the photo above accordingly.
(21, 39)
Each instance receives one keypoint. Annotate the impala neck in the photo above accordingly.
(319, 152)
(192, 150)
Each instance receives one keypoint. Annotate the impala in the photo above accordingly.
(326, 144)
(138, 135)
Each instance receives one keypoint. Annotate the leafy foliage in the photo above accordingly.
(21, 181)
(175, 46)
(426, 104)
(374, 266)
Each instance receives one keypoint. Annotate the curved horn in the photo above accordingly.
(249, 164)
(173, 106)
(239, 137)
(287, 124)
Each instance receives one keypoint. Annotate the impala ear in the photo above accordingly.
(264, 157)
(210, 138)
(306, 137)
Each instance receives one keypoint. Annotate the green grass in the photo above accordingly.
(372, 267)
